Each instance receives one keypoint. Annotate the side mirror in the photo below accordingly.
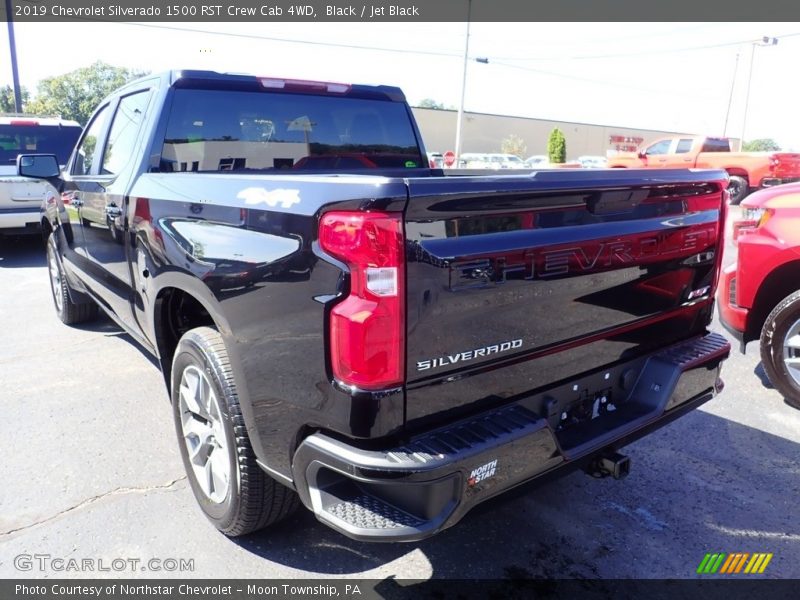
(642, 154)
(40, 166)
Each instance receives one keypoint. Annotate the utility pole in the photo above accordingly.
(730, 97)
(14, 71)
(764, 41)
(463, 87)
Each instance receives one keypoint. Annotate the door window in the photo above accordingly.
(124, 132)
(661, 147)
(88, 150)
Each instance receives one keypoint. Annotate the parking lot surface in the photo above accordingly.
(91, 470)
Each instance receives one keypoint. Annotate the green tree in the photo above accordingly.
(75, 95)
(513, 144)
(761, 145)
(7, 98)
(557, 147)
(431, 103)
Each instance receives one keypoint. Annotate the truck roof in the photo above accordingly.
(245, 81)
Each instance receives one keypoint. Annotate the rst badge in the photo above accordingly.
(467, 355)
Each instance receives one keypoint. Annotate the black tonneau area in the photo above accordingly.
(517, 283)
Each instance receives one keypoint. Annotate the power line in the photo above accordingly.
(296, 41)
(448, 54)
(497, 61)
(564, 42)
(599, 81)
(638, 54)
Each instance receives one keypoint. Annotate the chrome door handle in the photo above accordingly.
(75, 200)
(113, 211)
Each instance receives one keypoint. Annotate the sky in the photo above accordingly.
(667, 76)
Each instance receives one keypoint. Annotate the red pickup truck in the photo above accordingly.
(759, 295)
(747, 170)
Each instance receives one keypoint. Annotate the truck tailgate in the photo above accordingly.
(518, 283)
(20, 192)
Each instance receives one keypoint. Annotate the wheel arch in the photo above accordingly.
(181, 303)
(776, 286)
(738, 172)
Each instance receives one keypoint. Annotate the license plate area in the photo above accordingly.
(598, 403)
(586, 407)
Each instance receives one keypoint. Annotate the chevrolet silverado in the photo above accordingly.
(338, 323)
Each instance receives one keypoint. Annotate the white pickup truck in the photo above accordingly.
(21, 197)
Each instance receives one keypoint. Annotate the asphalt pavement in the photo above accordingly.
(91, 471)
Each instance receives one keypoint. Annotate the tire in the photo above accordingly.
(236, 495)
(738, 188)
(780, 348)
(69, 312)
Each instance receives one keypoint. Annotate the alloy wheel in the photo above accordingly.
(204, 434)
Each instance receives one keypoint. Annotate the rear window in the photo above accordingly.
(223, 130)
(37, 139)
(716, 145)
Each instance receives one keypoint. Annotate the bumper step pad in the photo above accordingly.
(368, 512)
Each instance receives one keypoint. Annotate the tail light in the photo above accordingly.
(302, 84)
(367, 338)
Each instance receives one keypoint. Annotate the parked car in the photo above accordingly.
(388, 346)
(759, 294)
(435, 160)
(592, 162)
(474, 160)
(505, 161)
(747, 171)
(20, 197)
(537, 160)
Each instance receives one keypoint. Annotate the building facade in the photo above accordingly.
(485, 133)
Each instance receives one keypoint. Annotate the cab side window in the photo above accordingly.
(88, 150)
(124, 132)
(684, 146)
(661, 147)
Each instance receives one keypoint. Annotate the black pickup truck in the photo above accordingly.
(340, 324)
